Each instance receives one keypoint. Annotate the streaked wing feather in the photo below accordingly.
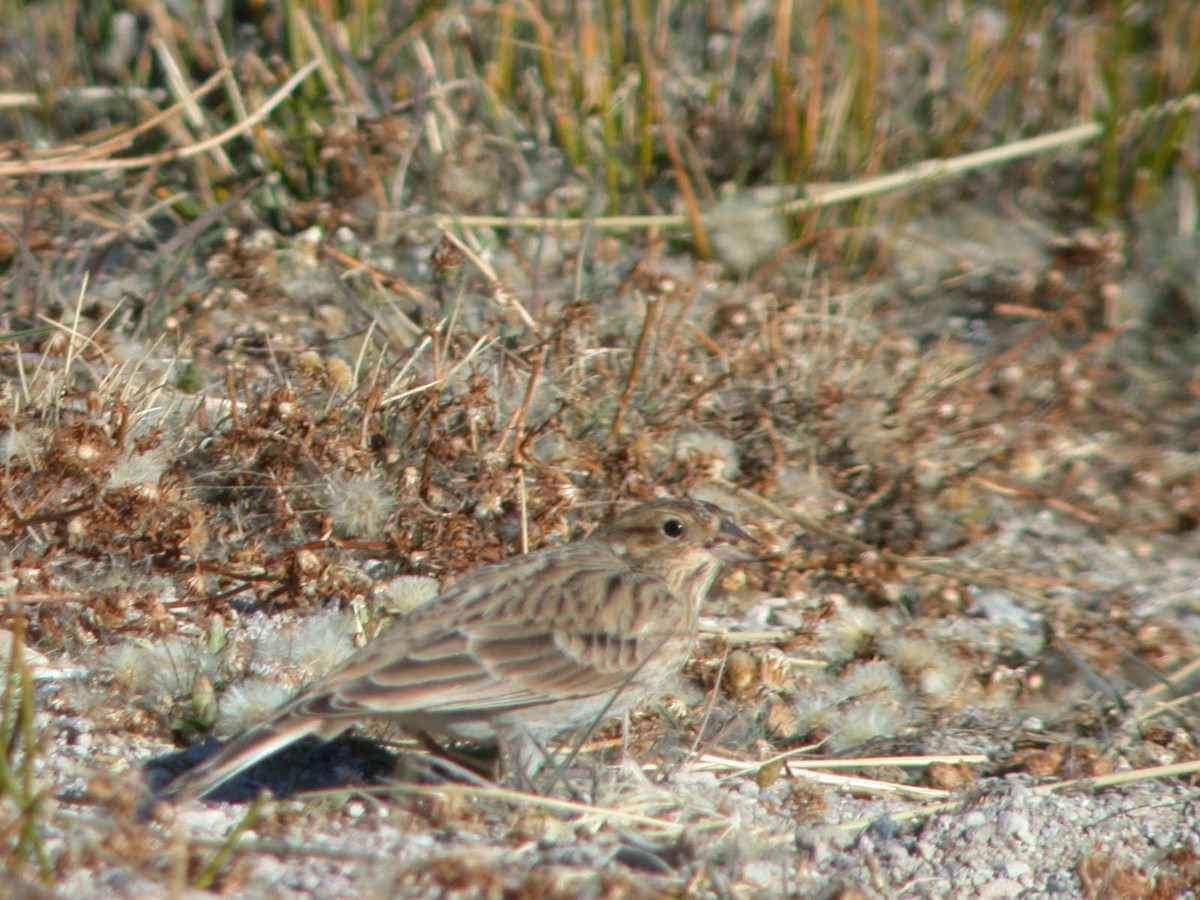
(594, 652)
(482, 668)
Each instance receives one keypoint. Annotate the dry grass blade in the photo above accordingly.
(521, 799)
(86, 163)
(794, 761)
(635, 365)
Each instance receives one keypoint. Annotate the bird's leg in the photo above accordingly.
(522, 755)
(463, 765)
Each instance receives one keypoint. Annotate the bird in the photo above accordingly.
(520, 650)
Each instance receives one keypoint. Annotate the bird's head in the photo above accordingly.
(678, 539)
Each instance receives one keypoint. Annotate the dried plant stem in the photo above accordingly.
(75, 164)
(516, 422)
(639, 353)
(813, 197)
(209, 873)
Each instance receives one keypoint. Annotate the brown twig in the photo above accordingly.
(638, 353)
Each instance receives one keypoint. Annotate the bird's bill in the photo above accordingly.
(731, 543)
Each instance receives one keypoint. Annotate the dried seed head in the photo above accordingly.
(340, 373)
(159, 669)
(774, 669)
(18, 445)
(360, 504)
(310, 362)
(741, 673)
(940, 683)
(850, 632)
(405, 593)
(308, 563)
(718, 454)
(82, 449)
(876, 678)
(911, 655)
(77, 529)
(946, 777)
(815, 707)
(862, 721)
(446, 258)
(307, 651)
(331, 317)
(783, 724)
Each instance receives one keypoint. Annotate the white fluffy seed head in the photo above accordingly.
(18, 446)
(862, 721)
(126, 662)
(307, 651)
(159, 669)
(341, 374)
(938, 675)
(406, 592)
(940, 683)
(850, 632)
(718, 452)
(249, 702)
(815, 707)
(911, 655)
(360, 504)
(877, 678)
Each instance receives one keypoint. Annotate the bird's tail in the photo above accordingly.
(241, 753)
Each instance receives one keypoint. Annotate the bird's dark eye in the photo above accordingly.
(672, 527)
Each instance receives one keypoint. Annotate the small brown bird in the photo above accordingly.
(520, 650)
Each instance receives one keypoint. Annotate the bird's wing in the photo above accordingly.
(483, 667)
